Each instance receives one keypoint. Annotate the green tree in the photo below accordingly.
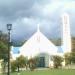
(13, 65)
(21, 61)
(72, 56)
(3, 47)
(33, 63)
(67, 57)
(3, 50)
(57, 61)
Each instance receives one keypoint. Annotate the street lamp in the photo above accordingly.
(9, 27)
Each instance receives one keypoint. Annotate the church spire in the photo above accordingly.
(38, 27)
(66, 33)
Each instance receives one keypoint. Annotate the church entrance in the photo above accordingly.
(41, 62)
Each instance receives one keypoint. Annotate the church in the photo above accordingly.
(39, 45)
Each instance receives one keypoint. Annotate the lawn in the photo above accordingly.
(47, 72)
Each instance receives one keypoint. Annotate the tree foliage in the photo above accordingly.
(70, 58)
(67, 57)
(72, 54)
(3, 47)
(13, 65)
(33, 63)
(21, 61)
(57, 61)
(3, 50)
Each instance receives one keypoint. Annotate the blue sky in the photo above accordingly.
(26, 14)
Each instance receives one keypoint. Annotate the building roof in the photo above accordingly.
(38, 43)
(15, 50)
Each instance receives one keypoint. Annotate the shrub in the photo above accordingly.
(57, 61)
(13, 66)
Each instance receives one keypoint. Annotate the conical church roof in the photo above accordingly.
(38, 43)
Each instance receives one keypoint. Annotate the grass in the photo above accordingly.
(47, 72)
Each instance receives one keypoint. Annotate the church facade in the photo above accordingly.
(39, 45)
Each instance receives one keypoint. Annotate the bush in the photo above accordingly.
(13, 66)
(33, 62)
(20, 62)
(57, 61)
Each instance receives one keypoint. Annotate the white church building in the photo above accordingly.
(39, 45)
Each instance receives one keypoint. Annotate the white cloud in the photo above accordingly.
(26, 14)
(50, 8)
